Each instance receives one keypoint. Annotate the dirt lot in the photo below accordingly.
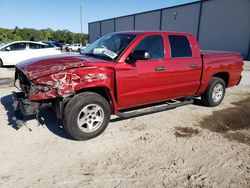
(190, 146)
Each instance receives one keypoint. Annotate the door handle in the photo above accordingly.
(193, 66)
(161, 68)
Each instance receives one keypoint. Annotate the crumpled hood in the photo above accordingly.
(43, 66)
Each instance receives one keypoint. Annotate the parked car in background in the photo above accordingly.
(74, 47)
(84, 47)
(53, 44)
(65, 47)
(15, 52)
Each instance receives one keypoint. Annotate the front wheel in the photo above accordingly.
(214, 93)
(86, 116)
(1, 63)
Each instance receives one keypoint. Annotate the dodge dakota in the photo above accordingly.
(125, 74)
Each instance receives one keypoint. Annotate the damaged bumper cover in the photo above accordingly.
(23, 106)
(26, 107)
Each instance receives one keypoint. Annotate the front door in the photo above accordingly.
(140, 82)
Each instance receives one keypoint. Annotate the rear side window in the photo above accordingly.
(180, 46)
(153, 45)
(36, 46)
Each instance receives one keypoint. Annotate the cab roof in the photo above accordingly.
(139, 32)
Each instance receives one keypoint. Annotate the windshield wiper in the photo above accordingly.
(88, 54)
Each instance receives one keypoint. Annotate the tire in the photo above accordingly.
(86, 106)
(214, 93)
(1, 63)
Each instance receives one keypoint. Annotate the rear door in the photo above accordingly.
(34, 50)
(38, 50)
(184, 66)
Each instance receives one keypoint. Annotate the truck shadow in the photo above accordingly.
(8, 67)
(46, 117)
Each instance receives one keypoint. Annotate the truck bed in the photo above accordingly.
(212, 53)
(228, 65)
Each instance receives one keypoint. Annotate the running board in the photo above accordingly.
(153, 109)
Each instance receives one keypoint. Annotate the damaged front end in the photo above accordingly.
(23, 106)
(20, 99)
(56, 89)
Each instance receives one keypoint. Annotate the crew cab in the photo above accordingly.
(125, 74)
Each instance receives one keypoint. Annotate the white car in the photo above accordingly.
(15, 52)
(83, 48)
(74, 47)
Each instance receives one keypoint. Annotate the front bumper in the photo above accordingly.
(23, 105)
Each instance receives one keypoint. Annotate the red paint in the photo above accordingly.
(135, 84)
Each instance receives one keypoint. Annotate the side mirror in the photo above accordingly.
(139, 55)
(7, 49)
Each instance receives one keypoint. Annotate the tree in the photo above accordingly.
(63, 36)
(17, 38)
(48, 34)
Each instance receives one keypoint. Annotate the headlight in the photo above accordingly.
(43, 88)
(38, 88)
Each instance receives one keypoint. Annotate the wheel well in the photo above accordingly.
(103, 91)
(224, 76)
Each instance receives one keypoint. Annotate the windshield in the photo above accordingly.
(109, 47)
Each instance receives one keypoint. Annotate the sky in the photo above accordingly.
(65, 14)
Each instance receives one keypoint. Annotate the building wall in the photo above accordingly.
(107, 26)
(124, 23)
(94, 31)
(217, 24)
(148, 21)
(183, 18)
(225, 25)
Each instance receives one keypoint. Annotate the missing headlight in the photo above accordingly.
(38, 88)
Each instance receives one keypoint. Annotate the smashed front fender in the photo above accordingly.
(68, 82)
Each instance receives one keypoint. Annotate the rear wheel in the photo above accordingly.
(214, 93)
(86, 116)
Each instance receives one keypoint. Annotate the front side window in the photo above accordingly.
(180, 46)
(109, 47)
(16, 46)
(153, 45)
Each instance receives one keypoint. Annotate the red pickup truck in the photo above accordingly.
(126, 74)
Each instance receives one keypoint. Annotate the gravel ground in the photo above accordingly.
(190, 146)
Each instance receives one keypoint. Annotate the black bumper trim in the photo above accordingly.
(26, 107)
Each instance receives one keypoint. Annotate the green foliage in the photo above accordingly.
(63, 36)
